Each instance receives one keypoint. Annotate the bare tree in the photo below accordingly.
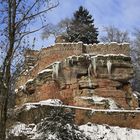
(15, 24)
(113, 34)
(58, 29)
(135, 53)
(51, 30)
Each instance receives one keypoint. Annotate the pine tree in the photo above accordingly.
(60, 122)
(82, 28)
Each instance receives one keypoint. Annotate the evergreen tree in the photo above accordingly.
(60, 122)
(82, 28)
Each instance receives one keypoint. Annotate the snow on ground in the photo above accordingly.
(93, 131)
(22, 129)
(52, 137)
(105, 132)
(99, 100)
(30, 130)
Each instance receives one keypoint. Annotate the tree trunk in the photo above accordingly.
(6, 74)
(3, 109)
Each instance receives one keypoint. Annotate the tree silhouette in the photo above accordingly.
(82, 28)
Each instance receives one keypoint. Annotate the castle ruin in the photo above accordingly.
(94, 75)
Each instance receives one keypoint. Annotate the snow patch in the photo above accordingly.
(93, 131)
(106, 132)
(107, 55)
(16, 91)
(28, 81)
(20, 128)
(45, 70)
(22, 88)
(99, 100)
(125, 43)
(51, 101)
(101, 43)
(70, 59)
(136, 93)
(54, 102)
(30, 106)
(52, 137)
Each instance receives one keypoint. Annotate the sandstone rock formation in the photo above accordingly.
(89, 81)
(26, 122)
(95, 76)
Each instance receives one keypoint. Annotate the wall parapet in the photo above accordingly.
(79, 48)
(108, 48)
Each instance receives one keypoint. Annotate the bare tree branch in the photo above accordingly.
(15, 20)
(113, 34)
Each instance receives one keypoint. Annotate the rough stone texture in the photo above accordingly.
(122, 119)
(127, 118)
(60, 51)
(84, 80)
(94, 85)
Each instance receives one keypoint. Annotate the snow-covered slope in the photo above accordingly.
(92, 131)
(106, 132)
(41, 128)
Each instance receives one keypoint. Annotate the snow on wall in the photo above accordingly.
(54, 102)
(98, 100)
(45, 70)
(67, 49)
(94, 58)
(57, 102)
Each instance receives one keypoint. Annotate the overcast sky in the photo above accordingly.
(124, 14)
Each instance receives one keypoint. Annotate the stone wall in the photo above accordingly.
(60, 51)
(110, 48)
(92, 80)
(121, 118)
(96, 81)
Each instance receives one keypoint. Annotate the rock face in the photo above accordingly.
(89, 81)
(28, 121)
(95, 76)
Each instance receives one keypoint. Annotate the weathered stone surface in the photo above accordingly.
(122, 118)
(95, 85)
(85, 75)
(26, 122)
(60, 51)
